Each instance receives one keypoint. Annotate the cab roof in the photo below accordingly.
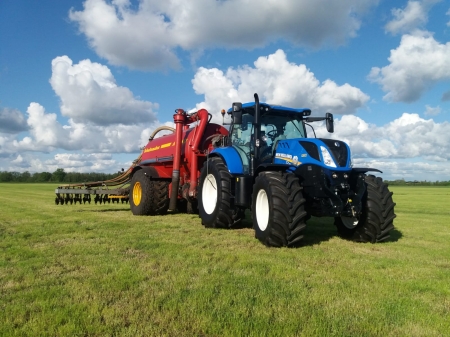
(250, 107)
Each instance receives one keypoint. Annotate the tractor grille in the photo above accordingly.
(338, 150)
(312, 149)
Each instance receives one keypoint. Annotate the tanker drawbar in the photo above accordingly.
(265, 162)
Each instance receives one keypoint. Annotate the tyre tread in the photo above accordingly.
(287, 219)
(377, 217)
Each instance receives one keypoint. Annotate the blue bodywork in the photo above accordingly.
(323, 166)
(251, 106)
(291, 152)
(231, 158)
(288, 152)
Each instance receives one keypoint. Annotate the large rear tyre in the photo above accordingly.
(214, 197)
(148, 197)
(278, 209)
(377, 217)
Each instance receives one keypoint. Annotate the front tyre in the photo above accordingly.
(377, 217)
(214, 198)
(278, 209)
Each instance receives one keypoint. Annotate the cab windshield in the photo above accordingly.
(275, 126)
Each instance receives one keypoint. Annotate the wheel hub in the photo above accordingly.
(137, 193)
(209, 194)
(262, 210)
(349, 222)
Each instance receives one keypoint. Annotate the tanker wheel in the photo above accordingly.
(148, 197)
(376, 220)
(278, 209)
(214, 196)
(160, 196)
(192, 207)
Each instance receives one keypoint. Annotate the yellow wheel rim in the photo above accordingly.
(137, 193)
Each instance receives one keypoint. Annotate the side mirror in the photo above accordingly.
(329, 122)
(237, 113)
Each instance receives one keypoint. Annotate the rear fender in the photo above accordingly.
(148, 170)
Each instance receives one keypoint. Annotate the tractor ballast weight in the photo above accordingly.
(264, 162)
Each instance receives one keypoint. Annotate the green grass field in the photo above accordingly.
(96, 270)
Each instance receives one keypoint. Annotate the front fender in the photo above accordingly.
(231, 159)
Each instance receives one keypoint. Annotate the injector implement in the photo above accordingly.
(265, 162)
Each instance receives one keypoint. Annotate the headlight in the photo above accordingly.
(327, 159)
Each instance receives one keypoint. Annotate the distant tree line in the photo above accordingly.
(403, 182)
(62, 176)
(59, 175)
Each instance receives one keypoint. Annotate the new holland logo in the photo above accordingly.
(288, 158)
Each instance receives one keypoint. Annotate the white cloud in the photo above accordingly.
(76, 162)
(12, 121)
(405, 20)
(413, 16)
(403, 169)
(430, 111)
(277, 81)
(18, 160)
(418, 63)
(47, 134)
(89, 94)
(147, 37)
(71, 162)
(408, 136)
(103, 117)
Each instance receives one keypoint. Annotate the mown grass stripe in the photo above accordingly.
(98, 270)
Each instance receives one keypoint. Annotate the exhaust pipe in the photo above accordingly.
(179, 120)
(254, 161)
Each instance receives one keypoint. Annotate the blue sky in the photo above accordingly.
(84, 83)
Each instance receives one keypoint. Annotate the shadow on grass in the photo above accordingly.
(322, 229)
(103, 210)
(318, 230)
(395, 235)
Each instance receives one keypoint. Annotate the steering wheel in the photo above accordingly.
(272, 134)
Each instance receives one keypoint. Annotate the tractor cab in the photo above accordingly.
(255, 135)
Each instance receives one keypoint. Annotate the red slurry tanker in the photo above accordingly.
(166, 161)
(264, 162)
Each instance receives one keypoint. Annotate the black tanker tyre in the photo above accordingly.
(278, 209)
(148, 197)
(192, 207)
(160, 196)
(377, 217)
(214, 206)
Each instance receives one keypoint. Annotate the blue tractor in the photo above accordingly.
(267, 164)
